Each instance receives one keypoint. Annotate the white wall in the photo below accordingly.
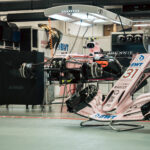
(70, 41)
(105, 43)
(95, 30)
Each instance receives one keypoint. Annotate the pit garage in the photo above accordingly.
(74, 74)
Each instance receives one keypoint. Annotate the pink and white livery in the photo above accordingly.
(119, 104)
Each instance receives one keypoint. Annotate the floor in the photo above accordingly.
(22, 129)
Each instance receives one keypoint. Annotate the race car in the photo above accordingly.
(119, 104)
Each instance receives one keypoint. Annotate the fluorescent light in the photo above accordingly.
(141, 20)
(82, 23)
(99, 16)
(141, 25)
(99, 21)
(117, 22)
(88, 17)
(60, 17)
(84, 16)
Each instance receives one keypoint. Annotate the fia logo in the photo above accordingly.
(141, 57)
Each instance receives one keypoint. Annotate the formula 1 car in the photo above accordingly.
(82, 69)
(119, 104)
(77, 69)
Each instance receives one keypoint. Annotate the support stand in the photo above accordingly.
(83, 124)
(63, 100)
(112, 125)
(47, 99)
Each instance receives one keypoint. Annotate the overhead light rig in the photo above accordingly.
(85, 15)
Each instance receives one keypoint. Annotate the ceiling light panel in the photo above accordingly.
(100, 21)
(60, 17)
(82, 23)
(87, 13)
(84, 16)
(98, 16)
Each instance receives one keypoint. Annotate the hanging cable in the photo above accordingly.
(76, 38)
(85, 32)
(122, 25)
(84, 36)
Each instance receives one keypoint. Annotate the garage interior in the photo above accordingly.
(74, 74)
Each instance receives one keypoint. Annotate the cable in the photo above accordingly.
(76, 38)
(83, 52)
(85, 32)
(122, 25)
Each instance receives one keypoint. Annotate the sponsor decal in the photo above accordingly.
(104, 116)
(130, 73)
(141, 57)
(63, 47)
(136, 64)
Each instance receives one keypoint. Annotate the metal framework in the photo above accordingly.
(112, 124)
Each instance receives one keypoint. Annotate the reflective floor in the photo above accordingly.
(50, 111)
(51, 129)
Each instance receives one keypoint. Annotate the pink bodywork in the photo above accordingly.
(119, 104)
